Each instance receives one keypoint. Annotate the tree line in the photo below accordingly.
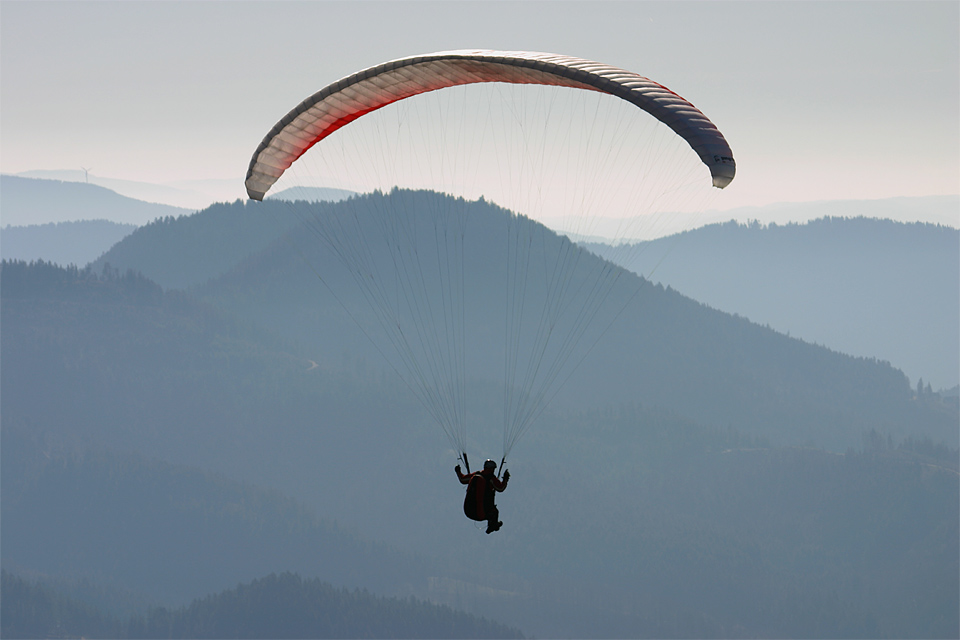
(20, 279)
(276, 606)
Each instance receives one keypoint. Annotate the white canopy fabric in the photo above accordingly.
(350, 98)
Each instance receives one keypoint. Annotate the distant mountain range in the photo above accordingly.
(58, 217)
(64, 243)
(942, 210)
(936, 210)
(185, 194)
(32, 201)
(853, 287)
(863, 286)
(201, 193)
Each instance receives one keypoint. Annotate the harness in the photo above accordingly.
(473, 503)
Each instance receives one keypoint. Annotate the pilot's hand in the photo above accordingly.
(457, 469)
(506, 475)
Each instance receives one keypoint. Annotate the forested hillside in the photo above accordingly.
(170, 533)
(179, 252)
(282, 605)
(631, 519)
(866, 287)
(28, 610)
(658, 347)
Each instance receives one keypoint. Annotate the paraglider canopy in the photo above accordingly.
(350, 98)
(442, 278)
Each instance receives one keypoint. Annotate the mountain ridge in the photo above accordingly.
(78, 242)
(665, 527)
(651, 350)
(32, 201)
(866, 287)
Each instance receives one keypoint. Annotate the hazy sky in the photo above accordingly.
(819, 100)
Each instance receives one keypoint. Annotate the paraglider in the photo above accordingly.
(480, 501)
(410, 261)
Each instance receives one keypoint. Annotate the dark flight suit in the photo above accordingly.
(479, 504)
